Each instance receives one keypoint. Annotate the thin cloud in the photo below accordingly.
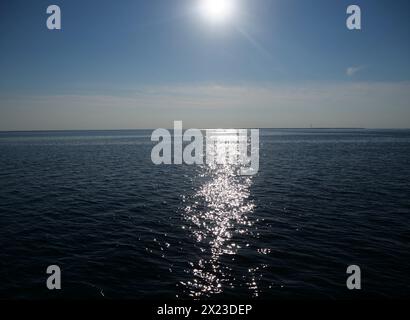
(351, 71)
(355, 104)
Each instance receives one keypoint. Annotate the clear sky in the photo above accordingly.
(143, 64)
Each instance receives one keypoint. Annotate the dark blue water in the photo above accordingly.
(120, 227)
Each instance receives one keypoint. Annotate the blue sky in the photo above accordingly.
(144, 64)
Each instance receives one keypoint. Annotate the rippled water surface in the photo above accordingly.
(121, 227)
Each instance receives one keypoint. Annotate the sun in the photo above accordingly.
(217, 11)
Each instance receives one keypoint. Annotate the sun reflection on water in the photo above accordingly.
(216, 213)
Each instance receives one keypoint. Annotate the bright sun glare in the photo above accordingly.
(217, 10)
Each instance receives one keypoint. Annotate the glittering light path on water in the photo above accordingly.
(218, 211)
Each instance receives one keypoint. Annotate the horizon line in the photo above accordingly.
(249, 128)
